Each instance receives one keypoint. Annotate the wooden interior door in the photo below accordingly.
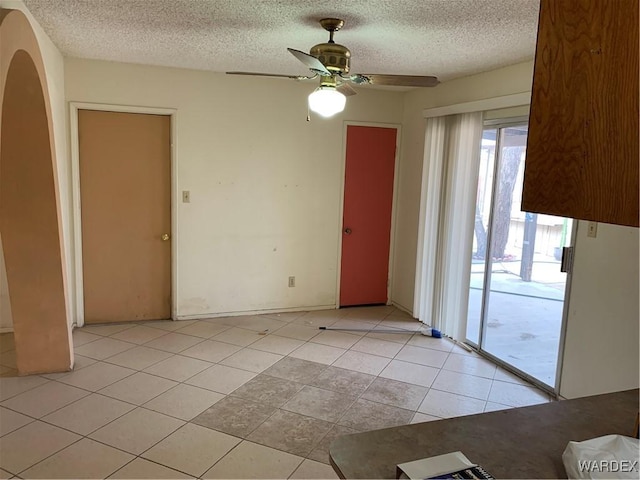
(125, 192)
(368, 200)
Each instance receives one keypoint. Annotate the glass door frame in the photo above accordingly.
(498, 125)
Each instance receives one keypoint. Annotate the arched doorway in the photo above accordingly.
(29, 210)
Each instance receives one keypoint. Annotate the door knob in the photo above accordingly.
(347, 231)
(165, 237)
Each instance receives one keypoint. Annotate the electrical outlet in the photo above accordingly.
(592, 229)
(186, 196)
(292, 282)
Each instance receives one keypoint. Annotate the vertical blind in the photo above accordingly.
(445, 235)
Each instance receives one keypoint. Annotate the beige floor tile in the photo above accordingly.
(447, 405)
(315, 352)
(410, 373)
(422, 356)
(139, 358)
(168, 325)
(376, 346)
(44, 399)
(504, 376)
(252, 360)
(139, 334)
(184, 401)
(284, 316)
(84, 459)
(390, 335)
(78, 362)
(494, 407)
(296, 370)
(211, 351)
(298, 332)
(88, 414)
(423, 417)
(516, 395)
(442, 344)
(203, 329)
(12, 386)
(192, 449)
(258, 323)
(105, 330)
(96, 376)
(310, 469)
(467, 385)
(336, 339)
(354, 326)
(221, 379)
(174, 342)
(238, 336)
(10, 421)
(178, 368)
(463, 351)
(103, 348)
(371, 314)
(141, 468)
(250, 460)
(42, 440)
(80, 337)
(318, 403)
(137, 430)
(139, 388)
(477, 366)
(408, 324)
(277, 344)
(362, 362)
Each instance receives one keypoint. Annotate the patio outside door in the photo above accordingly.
(517, 289)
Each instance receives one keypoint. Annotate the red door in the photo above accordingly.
(366, 223)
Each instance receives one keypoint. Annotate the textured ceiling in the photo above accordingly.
(445, 38)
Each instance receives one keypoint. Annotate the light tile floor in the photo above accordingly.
(236, 397)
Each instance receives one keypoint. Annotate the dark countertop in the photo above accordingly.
(522, 442)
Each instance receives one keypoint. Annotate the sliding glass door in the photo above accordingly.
(517, 289)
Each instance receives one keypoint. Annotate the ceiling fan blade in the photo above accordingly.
(395, 80)
(310, 61)
(256, 74)
(346, 89)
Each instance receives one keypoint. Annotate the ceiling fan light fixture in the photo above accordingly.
(326, 101)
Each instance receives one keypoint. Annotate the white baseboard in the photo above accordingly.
(254, 312)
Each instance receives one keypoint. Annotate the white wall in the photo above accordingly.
(265, 184)
(54, 67)
(504, 81)
(601, 347)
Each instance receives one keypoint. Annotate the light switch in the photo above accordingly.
(186, 196)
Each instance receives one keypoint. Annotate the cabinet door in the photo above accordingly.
(582, 154)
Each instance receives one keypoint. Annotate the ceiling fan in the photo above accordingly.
(330, 61)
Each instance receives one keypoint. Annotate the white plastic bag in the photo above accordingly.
(611, 456)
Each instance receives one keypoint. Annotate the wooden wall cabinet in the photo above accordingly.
(582, 151)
